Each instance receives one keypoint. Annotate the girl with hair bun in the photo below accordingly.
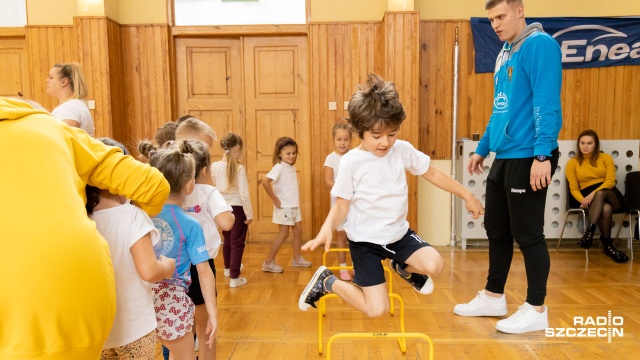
(182, 239)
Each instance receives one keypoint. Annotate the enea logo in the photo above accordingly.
(606, 46)
(591, 327)
(501, 102)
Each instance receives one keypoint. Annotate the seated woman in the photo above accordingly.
(592, 178)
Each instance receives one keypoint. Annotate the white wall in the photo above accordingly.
(217, 12)
(13, 13)
(434, 209)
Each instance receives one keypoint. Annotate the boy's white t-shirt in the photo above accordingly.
(285, 184)
(76, 110)
(122, 226)
(332, 161)
(377, 189)
(204, 204)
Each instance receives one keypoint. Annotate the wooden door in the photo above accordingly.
(277, 104)
(14, 67)
(209, 84)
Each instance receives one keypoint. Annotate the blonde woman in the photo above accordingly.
(66, 83)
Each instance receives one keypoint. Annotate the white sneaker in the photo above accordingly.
(227, 272)
(301, 262)
(526, 319)
(271, 266)
(234, 283)
(482, 305)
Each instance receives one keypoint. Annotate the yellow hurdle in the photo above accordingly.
(401, 336)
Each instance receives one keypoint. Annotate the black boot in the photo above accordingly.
(587, 238)
(610, 250)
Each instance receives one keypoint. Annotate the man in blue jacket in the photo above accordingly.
(523, 134)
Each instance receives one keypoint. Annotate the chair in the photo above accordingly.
(632, 199)
(570, 211)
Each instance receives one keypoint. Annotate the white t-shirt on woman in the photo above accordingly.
(76, 110)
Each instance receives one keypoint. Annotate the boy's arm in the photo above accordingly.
(336, 216)
(207, 285)
(266, 183)
(446, 183)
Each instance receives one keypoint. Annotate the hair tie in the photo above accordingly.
(226, 151)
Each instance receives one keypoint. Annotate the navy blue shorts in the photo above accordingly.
(195, 293)
(367, 257)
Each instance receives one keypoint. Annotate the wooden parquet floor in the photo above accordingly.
(261, 320)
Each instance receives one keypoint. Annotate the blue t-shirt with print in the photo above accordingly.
(182, 239)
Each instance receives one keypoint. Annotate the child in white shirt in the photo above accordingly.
(285, 194)
(341, 134)
(230, 176)
(372, 195)
(131, 236)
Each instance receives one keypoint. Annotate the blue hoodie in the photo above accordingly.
(527, 115)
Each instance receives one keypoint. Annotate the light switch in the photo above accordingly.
(333, 105)
(91, 104)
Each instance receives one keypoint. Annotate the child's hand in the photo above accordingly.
(474, 206)
(212, 330)
(248, 221)
(324, 237)
(169, 263)
(277, 203)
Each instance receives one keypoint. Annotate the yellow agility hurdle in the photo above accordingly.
(322, 306)
(334, 268)
(400, 336)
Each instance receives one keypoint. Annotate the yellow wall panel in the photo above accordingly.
(352, 10)
(51, 12)
(143, 12)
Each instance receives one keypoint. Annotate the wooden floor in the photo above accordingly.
(261, 320)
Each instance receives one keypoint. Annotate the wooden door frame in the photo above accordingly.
(241, 31)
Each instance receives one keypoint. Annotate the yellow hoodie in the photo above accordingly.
(58, 290)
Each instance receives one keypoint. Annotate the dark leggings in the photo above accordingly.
(601, 209)
(234, 241)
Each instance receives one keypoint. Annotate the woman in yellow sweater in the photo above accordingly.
(592, 179)
(59, 290)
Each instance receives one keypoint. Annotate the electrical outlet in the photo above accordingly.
(91, 104)
(346, 105)
(333, 105)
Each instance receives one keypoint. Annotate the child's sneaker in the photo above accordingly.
(271, 266)
(315, 289)
(301, 262)
(344, 275)
(526, 319)
(227, 272)
(420, 282)
(482, 305)
(234, 283)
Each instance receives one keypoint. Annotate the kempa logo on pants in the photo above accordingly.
(591, 327)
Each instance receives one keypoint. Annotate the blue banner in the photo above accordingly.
(585, 42)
